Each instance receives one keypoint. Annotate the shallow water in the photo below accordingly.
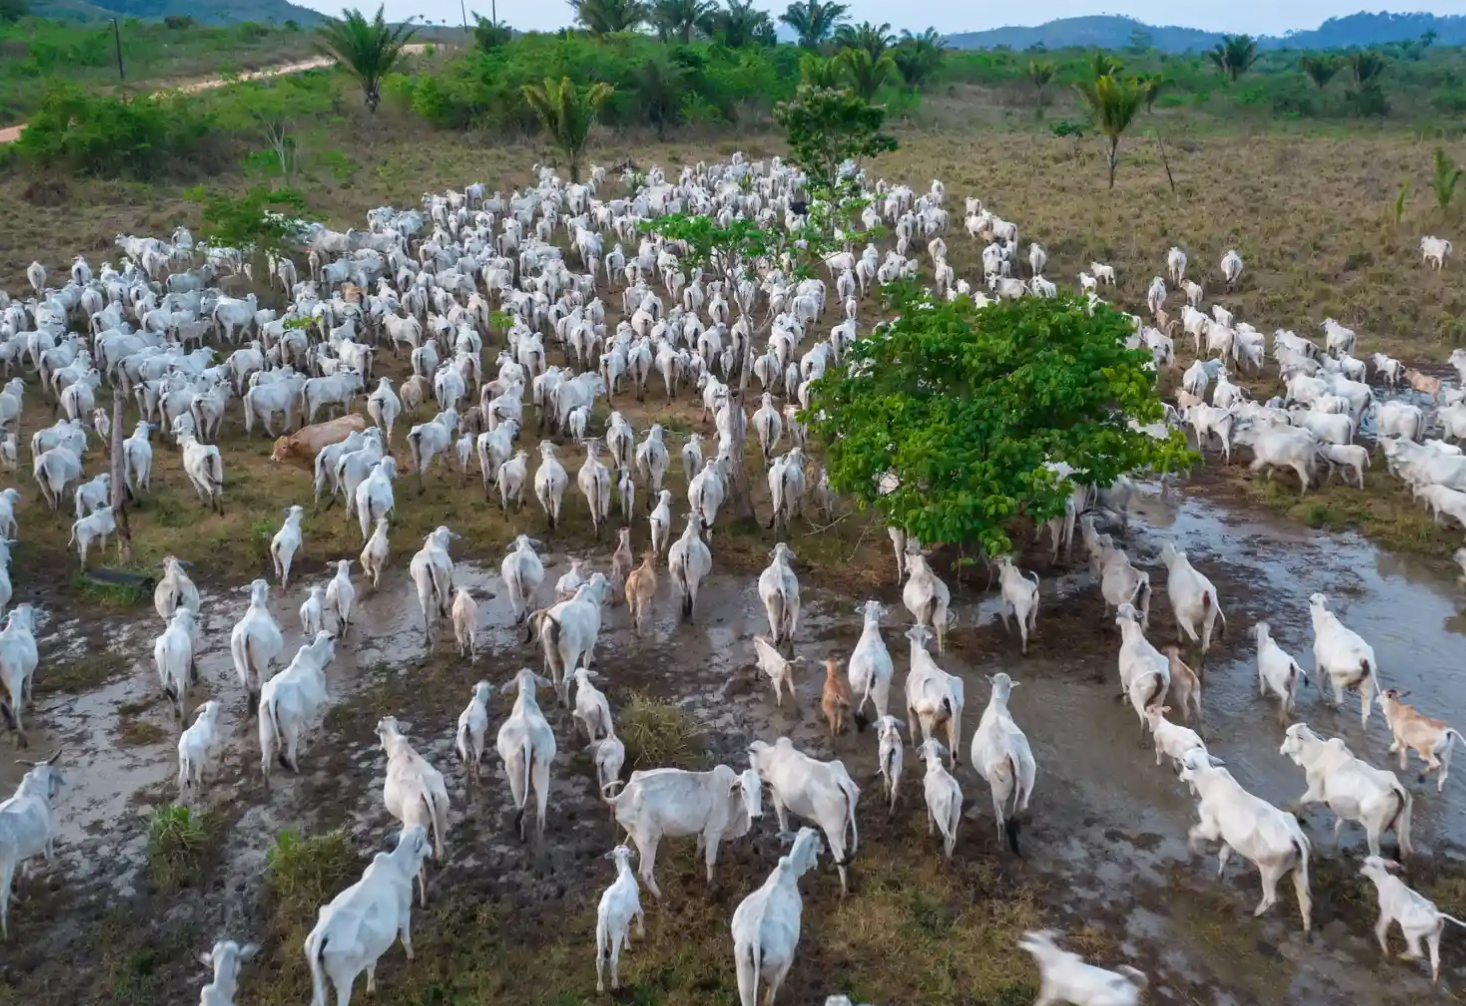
(1108, 827)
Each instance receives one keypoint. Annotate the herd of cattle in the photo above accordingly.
(427, 282)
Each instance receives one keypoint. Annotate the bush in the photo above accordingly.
(177, 841)
(92, 134)
(301, 874)
(657, 734)
(178, 22)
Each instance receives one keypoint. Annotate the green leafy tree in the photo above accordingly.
(12, 11)
(918, 57)
(1445, 173)
(1040, 72)
(264, 221)
(606, 17)
(739, 24)
(1234, 55)
(813, 21)
(488, 35)
(681, 20)
(368, 50)
(567, 113)
(1320, 69)
(825, 127)
(660, 87)
(874, 39)
(273, 110)
(864, 74)
(1112, 103)
(965, 408)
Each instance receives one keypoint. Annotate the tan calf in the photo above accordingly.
(836, 700)
(1185, 684)
(414, 391)
(1428, 737)
(622, 559)
(1424, 383)
(641, 587)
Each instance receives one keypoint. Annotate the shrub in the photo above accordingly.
(656, 733)
(92, 134)
(177, 841)
(178, 22)
(303, 873)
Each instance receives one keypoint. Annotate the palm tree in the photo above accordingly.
(874, 39)
(813, 21)
(1040, 72)
(1366, 66)
(917, 57)
(1113, 103)
(681, 19)
(1320, 69)
(369, 50)
(818, 71)
(487, 35)
(1234, 55)
(739, 24)
(865, 75)
(1102, 64)
(567, 113)
(1444, 176)
(605, 17)
(1150, 88)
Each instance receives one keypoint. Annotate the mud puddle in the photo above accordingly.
(1108, 829)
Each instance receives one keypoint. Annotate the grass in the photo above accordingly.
(177, 844)
(918, 930)
(133, 732)
(657, 734)
(82, 674)
(1383, 511)
(304, 872)
(108, 595)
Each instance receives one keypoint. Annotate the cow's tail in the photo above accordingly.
(316, 954)
(438, 813)
(1156, 692)
(1400, 822)
(1011, 824)
(682, 584)
(848, 787)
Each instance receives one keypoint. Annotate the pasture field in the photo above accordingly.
(1311, 215)
(1105, 856)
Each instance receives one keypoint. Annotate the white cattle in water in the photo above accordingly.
(1353, 789)
(1252, 827)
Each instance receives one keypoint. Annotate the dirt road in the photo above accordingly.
(12, 133)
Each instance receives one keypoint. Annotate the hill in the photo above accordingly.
(1114, 32)
(207, 12)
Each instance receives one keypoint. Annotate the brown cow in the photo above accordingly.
(301, 447)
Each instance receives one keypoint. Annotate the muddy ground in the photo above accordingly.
(1106, 858)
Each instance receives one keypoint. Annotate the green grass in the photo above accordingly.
(177, 844)
(657, 734)
(304, 872)
(132, 732)
(1384, 511)
(109, 595)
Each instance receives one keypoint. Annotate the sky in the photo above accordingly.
(1254, 17)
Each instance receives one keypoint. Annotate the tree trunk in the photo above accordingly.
(119, 483)
(1113, 158)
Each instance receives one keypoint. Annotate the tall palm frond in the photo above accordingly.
(368, 50)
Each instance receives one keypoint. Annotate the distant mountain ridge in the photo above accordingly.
(1115, 32)
(205, 12)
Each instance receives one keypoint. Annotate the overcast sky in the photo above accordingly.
(1256, 17)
